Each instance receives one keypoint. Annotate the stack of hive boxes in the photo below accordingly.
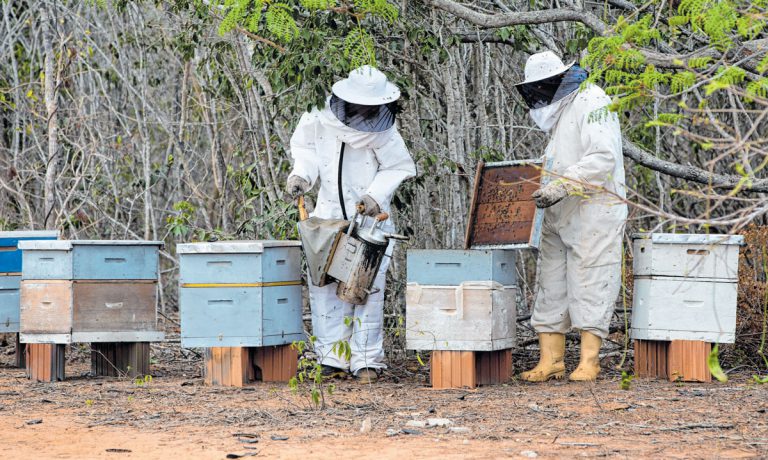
(102, 292)
(10, 281)
(684, 300)
(461, 306)
(242, 301)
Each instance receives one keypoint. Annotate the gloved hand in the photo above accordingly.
(368, 206)
(550, 194)
(296, 186)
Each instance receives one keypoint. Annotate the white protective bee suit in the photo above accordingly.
(581, 245)
(374, 164)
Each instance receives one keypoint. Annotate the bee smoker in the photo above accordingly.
(358, 256)
(347, 252)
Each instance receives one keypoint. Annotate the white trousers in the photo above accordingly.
(579, 270)
(334, 320)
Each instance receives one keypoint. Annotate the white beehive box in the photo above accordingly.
(685, 287)
(473, 316)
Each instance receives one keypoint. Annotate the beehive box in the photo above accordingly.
(441, 267)
(240, 293)
(461, 300)
(89, 291)
(503, 214)
(10, 274)
(685, 287)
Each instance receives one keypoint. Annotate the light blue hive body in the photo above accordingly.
(10, 274)
(240, 293)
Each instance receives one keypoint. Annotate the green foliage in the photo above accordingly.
(280, 22)
(713, 362)
(379, 8)
(309, 378)
(142, 381)
(626, 381)
(726, 77)
(241, 11)
(758, 88)
(179, 224)
(359, 48)
(315, 5)
(682, 81)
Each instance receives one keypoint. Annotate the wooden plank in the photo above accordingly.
(270, 363)
(505, 372)
(236, 370)
(208, 366)
(688, 361)
(468, 374)
(456, 369)
(495, 364)
(502, 210)
(473, 205)
(447, 364)
(226, 366)
(290, 362)
(216, 366)
(114, 306)
(45, 362)
(436, 369)
(46, 306)
(45, 370)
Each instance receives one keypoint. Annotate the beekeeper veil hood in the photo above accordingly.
(548, 80)
(365, 101)
(548, 87)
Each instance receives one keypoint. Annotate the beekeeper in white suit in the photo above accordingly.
(581, 245)
(353, 149)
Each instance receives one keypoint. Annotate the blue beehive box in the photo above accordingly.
(450, 267)
(89, 291)
(240, 293)
(10, 274)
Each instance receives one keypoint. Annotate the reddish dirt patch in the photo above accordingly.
(175, 416)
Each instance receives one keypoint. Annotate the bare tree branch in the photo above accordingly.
(520, 18)
(690, 173)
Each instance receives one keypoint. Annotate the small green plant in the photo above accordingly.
(89, 402)
(179, 223)
(626, 380)
(142, 381)
(713, 362)
(310, 375)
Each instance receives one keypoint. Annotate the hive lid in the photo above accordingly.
(30, 234)
(689, 238)
(66, 245)
(235, 247)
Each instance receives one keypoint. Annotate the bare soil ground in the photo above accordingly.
(176, 416)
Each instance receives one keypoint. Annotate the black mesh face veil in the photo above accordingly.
(541, 93)
(365, 118)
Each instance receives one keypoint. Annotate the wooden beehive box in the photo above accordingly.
(503, 214)
(685, 287)
(461, 300)
(10, 274)
(89, 291)
(240, 293)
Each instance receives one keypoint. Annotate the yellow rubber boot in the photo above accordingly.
(589, 363)
(551, 364)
